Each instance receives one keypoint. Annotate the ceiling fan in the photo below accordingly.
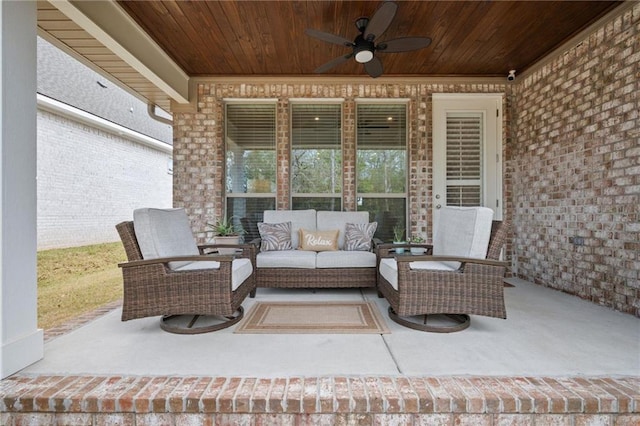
(365, 45)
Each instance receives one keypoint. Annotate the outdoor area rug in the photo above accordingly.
(313, 318)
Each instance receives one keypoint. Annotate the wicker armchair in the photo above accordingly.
(193, 293)
(454, 290)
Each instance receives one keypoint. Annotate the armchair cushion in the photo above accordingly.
(463, 232)
(389, 269)
(432, 266)
(241, 269)
(164, 233)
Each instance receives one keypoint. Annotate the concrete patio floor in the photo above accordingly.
(547, 333)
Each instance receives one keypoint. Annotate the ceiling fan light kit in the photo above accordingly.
(364, 47)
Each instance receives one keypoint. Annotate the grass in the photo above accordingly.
(76, 280)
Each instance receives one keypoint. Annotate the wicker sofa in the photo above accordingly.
(296, 268)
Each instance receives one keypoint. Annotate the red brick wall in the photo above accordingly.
(199, 141)
(574, 169)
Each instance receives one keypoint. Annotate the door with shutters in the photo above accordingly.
(467, 152)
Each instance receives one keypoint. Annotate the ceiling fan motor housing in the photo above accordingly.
(363, 49)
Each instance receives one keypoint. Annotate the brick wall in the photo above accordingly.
(89, 180)
(199, 142)
(570, 144)
(574, 169)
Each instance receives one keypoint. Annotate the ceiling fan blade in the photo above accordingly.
(403, 44)
(331, 38)
(332, 63)
(380, 21)
(373, 67)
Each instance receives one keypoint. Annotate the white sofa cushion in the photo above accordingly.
(328, 220)
(164, 233)
(346, 259)
(299, 219)
(464, 232)
(241, 269)
(286, 259)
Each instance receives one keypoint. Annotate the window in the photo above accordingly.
(316, 156)
(250, 181)
(467, 147)
(382, 165)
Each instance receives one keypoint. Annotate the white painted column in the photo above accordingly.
(22, 341)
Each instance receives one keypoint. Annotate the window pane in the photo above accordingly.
(247, 212)
(388, 212)
(251, 148)
(317, 203)
(382, 165)
(382, 148)
(316, 155)
(316, 171)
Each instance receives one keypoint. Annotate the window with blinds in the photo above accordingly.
(464, 159)
(250, 148)
(382, 148)
(250, 180)
(381, 165)
(316, 156)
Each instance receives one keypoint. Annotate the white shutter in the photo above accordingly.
(464, 159)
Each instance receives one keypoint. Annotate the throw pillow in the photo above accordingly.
(358, 236)
(275, 236)
(319, 240)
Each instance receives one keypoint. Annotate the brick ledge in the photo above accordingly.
(318, 395)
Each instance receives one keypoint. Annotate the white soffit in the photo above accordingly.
(110, 25)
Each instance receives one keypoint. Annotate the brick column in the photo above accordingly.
(349, 155)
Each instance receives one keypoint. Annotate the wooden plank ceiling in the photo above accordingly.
(470, 38)
(266, 38)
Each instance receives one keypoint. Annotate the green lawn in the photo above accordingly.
(76, 280)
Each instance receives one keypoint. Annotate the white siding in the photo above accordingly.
(89, 180)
